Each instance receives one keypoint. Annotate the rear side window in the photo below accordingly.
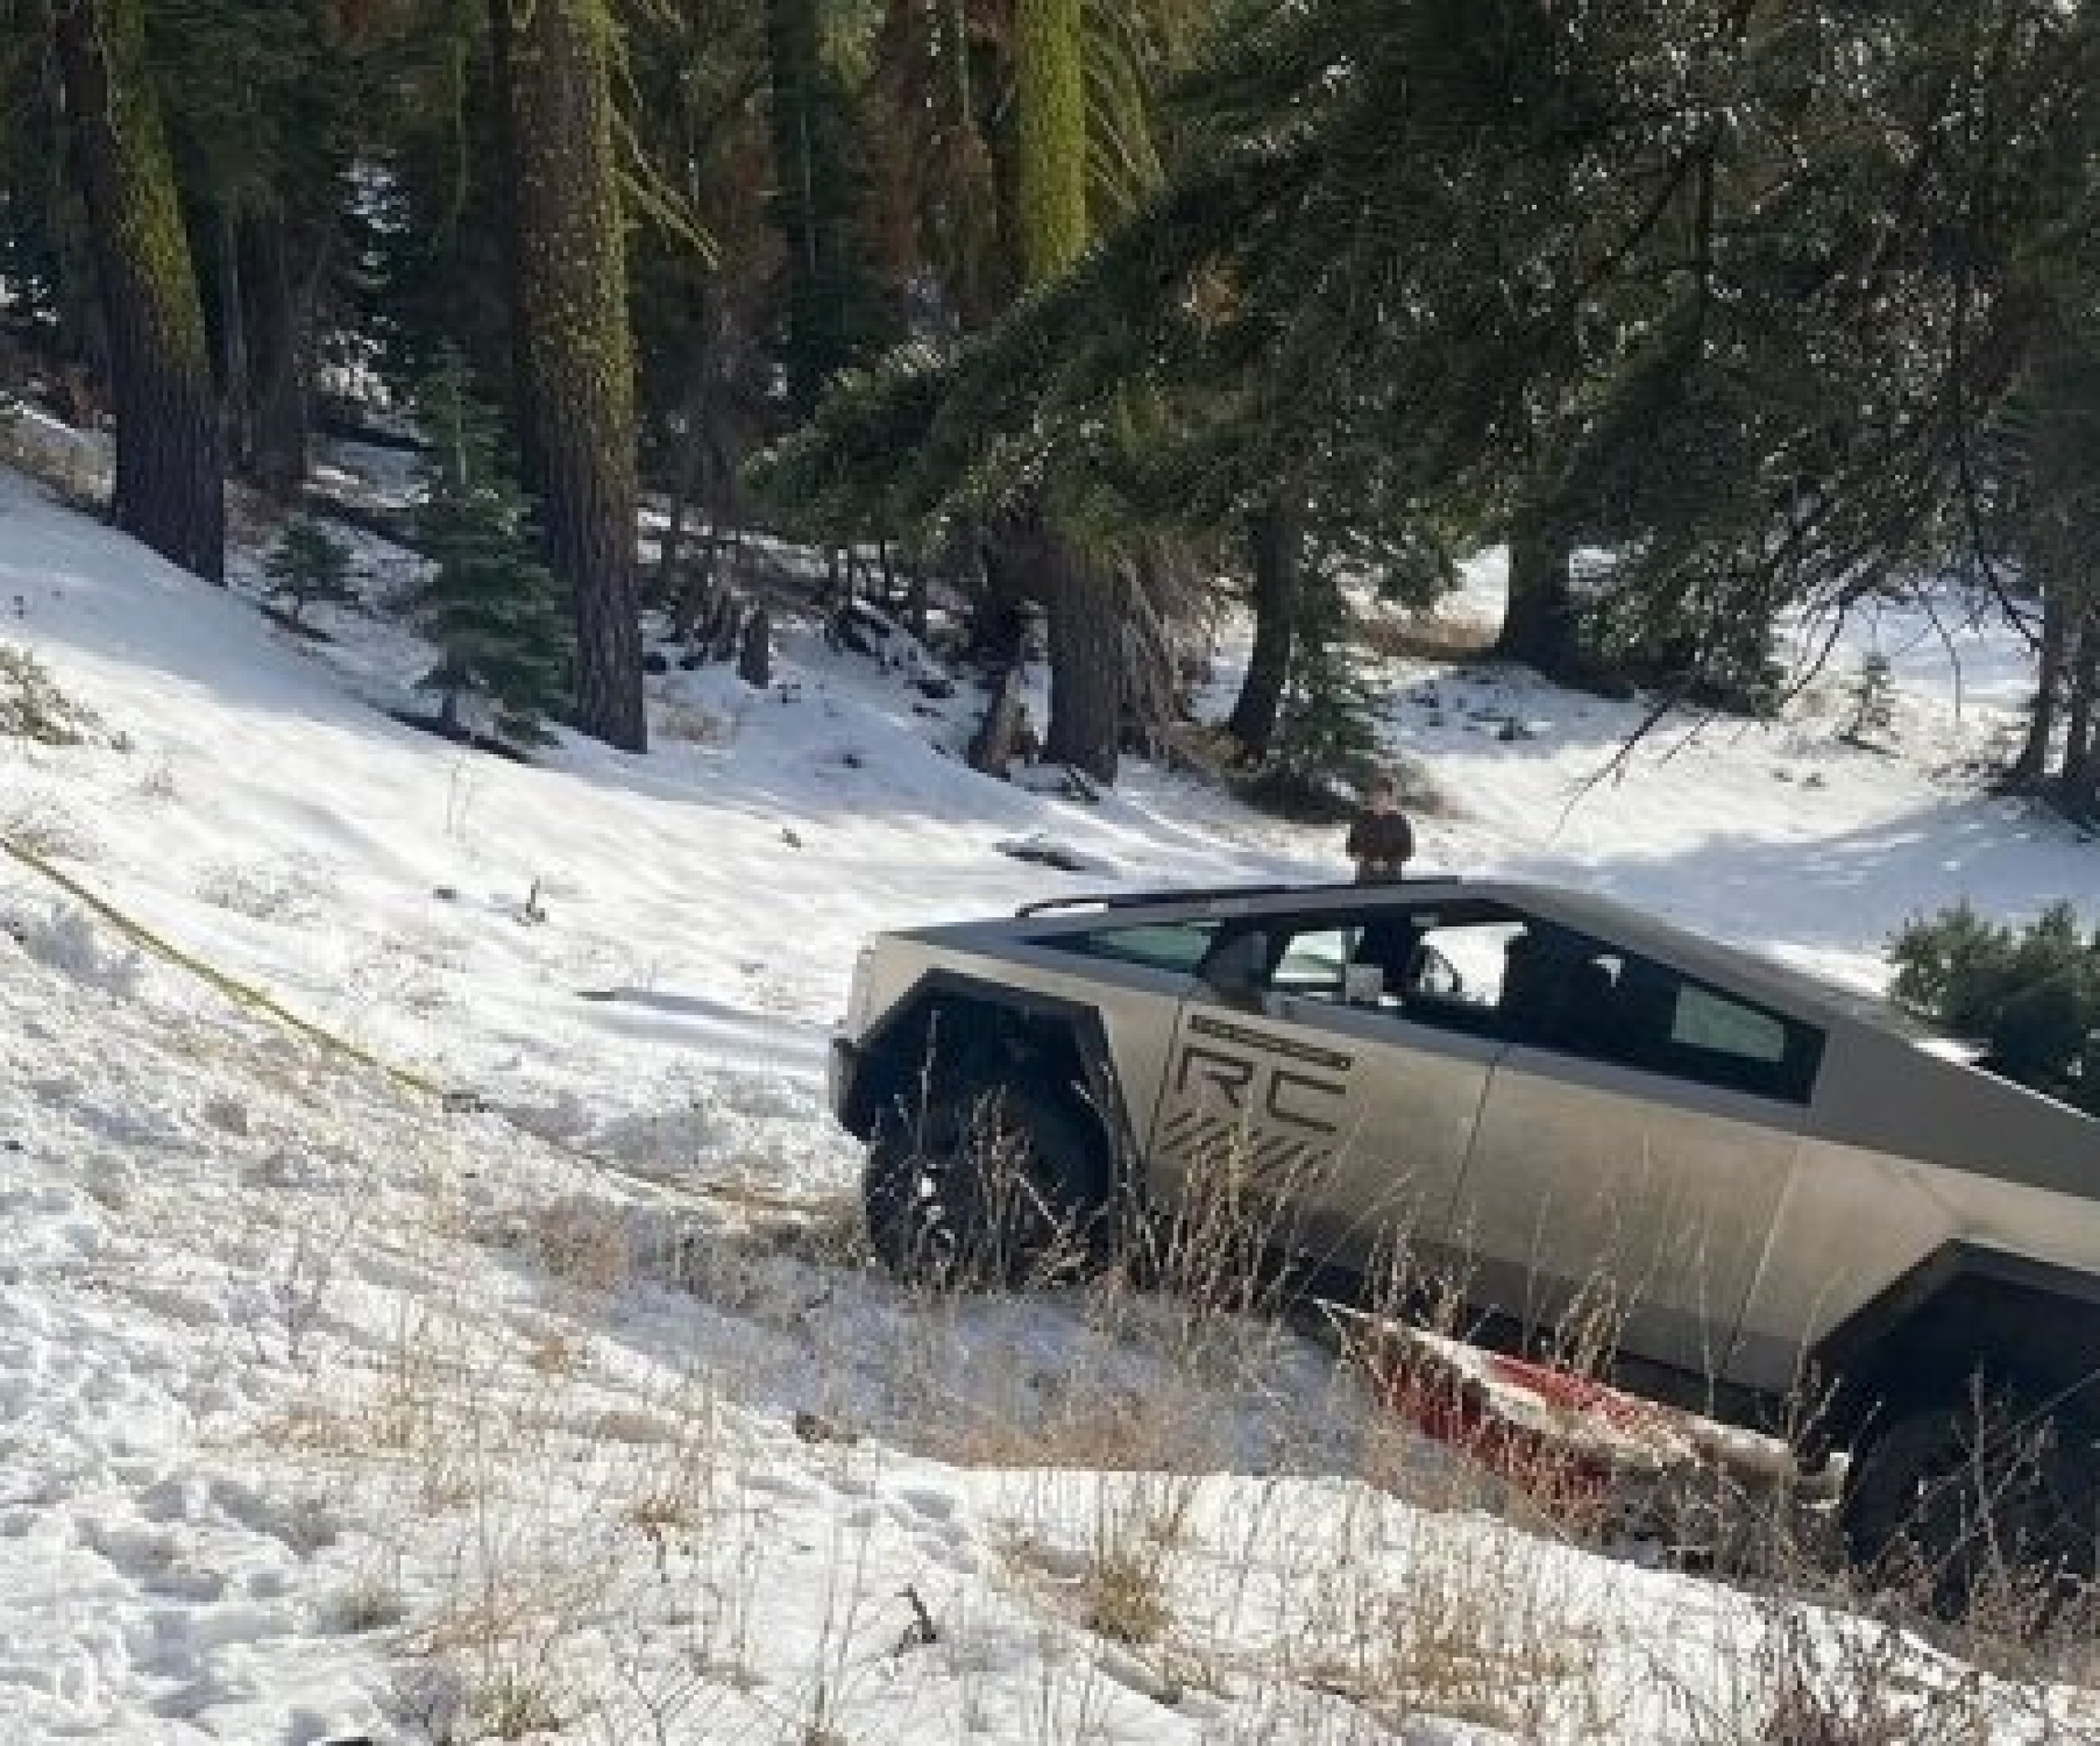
(1178, 947)
(1716, 1025)
(1663, 1022)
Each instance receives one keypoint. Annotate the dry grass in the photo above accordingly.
(690, 724)
(549, 1550)
(33, 707)
(45, 825)
(263, 891)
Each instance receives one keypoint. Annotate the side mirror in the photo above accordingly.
(1237, 967)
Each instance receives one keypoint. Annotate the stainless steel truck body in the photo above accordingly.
(1763, 1184)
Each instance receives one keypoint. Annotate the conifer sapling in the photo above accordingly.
(492, 607)
(308, 567)
(1326, 735)
(1873, 695)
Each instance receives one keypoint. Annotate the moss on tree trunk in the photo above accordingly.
(1079, 593)
(170, 492)
(575, 349)
(1050, 125)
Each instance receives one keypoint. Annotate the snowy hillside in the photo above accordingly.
(328, 1412)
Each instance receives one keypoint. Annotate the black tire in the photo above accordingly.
(1953, 1497)
(1005, 1186)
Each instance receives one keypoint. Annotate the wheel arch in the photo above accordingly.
(1967, 1308)
(952, 1027)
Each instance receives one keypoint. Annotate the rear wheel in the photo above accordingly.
(1958, 1497)
(987, 1187)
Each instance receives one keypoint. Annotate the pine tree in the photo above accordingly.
(1873, 697)
(833, 314)
(170, 489)
(489, 604)
(1275, 557)
(2037, 518)
(575, 345)
(308, 567)
(262, 106)
(1539, 627)
(1326, 736)
(2033, 995)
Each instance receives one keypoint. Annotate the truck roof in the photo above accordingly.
(1609, 918)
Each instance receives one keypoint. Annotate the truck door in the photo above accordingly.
(1637, 1144)
(1300, 1089)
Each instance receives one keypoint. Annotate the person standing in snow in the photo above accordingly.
(1381, 841)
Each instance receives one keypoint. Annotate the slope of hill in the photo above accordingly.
(332, 1413)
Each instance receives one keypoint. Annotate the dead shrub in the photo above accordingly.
(1125, 1601)
(33, 706)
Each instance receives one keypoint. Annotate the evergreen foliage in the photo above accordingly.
(426, 227)
(1326, 735)
(170, 489)
(564, 196)
(2032, 995)
(1697, 645)
(308, 567)
(1714, 313)
(1712, 294)
(489, 603)
(834, 313)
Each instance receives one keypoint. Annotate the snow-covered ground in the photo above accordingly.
(328, 1412)
(1785, 837)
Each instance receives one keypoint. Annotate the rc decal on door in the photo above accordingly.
(1233, 1088)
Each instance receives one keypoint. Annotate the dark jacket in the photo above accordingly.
(1380, 843)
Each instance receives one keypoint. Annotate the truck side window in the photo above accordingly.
(1315, 961)
(1661, 1021)
(1174, 946)
(1464, 962)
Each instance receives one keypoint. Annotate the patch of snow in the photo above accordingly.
(333, 1411)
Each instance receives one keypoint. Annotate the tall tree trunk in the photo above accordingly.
(1050, 129)
(1151, 682)
(2081, 778)
(170, 491)
(999, 606)
(516, 394)
(1276, 545)
(1083, 596)
(570, 302)
(810, 203)
(1539, 627)
(279, 335)
(1079, 593)
(235, 387)
(2032, 765)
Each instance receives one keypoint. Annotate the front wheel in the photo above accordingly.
(1955, 1499)
(1004, 1186)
